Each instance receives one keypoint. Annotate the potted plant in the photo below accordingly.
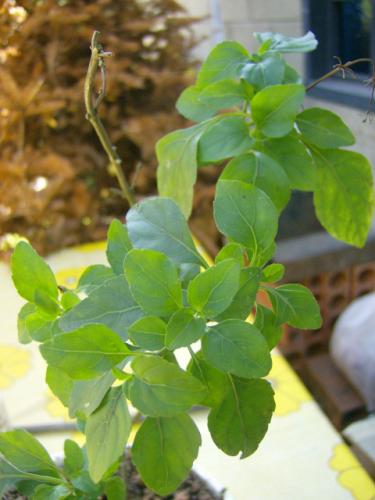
(113, 339)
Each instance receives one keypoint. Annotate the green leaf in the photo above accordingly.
(296, 305)
(212, 291)
(228, 136)
(118, 246)
(40, 328)
(158, 224)
(268, 71)
(31, 274)
(60, 384)
(110, 304)
(21, 450)
(87, 395)
(23, 333)
(162, 389)
(74, 458)
(69, 299)
(274, 108)
(266, 322)
(324, 129)
(164, 450)
(190, 106)
(107, 431)
(223, 94)
(344, 195)
(177, 170)
(291, 75)
(148, 333)
(244, 300)
(237, 347)
(183, 329)
(153, 281)
(246, 214)
(93, 277)
(214, 380)
(46, 492)
(240, 422)
(115, 489)
(231, 251)
(282, 43)
(223, 62)
(188, 272)
(273, 272)
(262, 171)
(85, 353)
(294, 158)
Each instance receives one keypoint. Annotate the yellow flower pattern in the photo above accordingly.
(55, 408)
(69, 277)
(290, 393)
(351, 474)
(15, 362)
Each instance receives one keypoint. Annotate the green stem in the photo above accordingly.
(96, 62)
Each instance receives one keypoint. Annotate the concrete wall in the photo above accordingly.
(238, 19)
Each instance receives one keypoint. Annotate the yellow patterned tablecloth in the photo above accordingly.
(301, 458)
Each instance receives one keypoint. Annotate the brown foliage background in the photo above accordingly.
(55, 187)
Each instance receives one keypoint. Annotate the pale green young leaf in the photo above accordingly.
(212, 291)
(87, 395)
(291, 75)
(69, 299)
(226, 137)
(60, 384)
(237, 347)
(73, 458)
(158, 224)
(21, 450)
(273, 272)
(244, 300)
(162, 389)
(118, 246)
(294, 158)
(107, 432)
(110, 304)
(274, 108)
(189, 105)
(266, 322)
(215, 381)
(177, 170)
(188, 272)
(148, 333)
(246, 214)
(344, 194)
(296, 305)
(284, 44)
(153, 281)
(93, 277)
(40, 328)
(183, 329)
(240, 421)
(23, 333)
(31, 273)
(324, 128)
(268, 71)
(262, 171)
(164, 450)
(85, 353)
(223, 62)
(231, 251)
(223, 94)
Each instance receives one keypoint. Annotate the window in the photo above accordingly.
(346, 29)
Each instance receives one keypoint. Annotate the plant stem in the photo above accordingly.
(336, 69)
(97, 62)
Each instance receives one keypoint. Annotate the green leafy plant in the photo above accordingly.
(113, 339)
